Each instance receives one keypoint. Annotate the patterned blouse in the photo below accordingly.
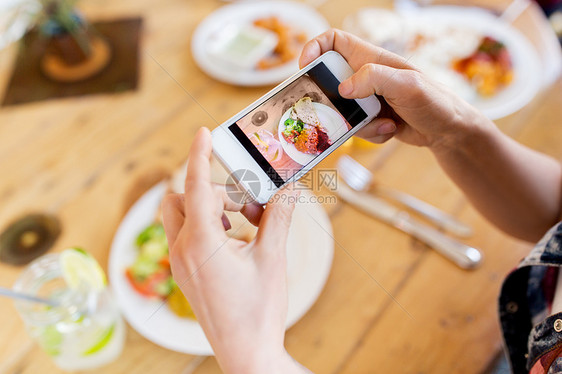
(532, 336)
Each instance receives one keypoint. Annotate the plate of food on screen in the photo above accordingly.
(309, 128)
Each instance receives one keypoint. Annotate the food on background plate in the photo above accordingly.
(304, 130)
(470, 62)
(179, 304)
(381, 27)
(290, 42)
(266, 143)
(150, 274)
(242, 46)
(489, 68)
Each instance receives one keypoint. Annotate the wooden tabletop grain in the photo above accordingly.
(391, 304)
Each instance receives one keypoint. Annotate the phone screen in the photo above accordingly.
(298, 124)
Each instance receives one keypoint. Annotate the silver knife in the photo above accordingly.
(461, 254)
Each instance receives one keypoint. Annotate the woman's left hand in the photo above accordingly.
(237, 290)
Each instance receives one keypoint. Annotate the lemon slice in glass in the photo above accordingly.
(103, 341)
(51, 340)
(78, 267)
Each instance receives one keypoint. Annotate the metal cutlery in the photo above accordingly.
(361, 179)
(461, 254)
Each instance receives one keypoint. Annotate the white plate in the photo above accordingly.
(332, 121)
(299, 15)
(528, 76)
(15, 16)
(310, 250)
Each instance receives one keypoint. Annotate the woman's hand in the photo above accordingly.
(516, 188)
(417, 110)
(237, 290)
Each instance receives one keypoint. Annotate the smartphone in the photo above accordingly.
(284, 134)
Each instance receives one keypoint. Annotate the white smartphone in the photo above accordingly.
(284, 134)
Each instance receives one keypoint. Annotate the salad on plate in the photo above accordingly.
(151, 276)
(304, 130)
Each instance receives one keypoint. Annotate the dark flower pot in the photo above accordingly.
(66, 46)
(72, 46)
(74, 51)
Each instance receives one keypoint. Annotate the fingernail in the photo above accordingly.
(346, 87)
(386, 128)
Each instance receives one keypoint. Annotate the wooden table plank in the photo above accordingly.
(452, 308)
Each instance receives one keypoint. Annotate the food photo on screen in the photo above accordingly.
(296, 125)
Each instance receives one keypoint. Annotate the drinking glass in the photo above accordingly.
(84, 331)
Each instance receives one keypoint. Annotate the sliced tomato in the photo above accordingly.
(147, 286)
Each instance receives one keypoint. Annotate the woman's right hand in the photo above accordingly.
(418, 111)
(513, 186)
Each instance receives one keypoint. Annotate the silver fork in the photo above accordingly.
(461, 254)
(361, 179)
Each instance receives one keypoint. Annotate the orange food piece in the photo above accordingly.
(489, 68)
(487, 76)
(305, 141)
(179, 304)
(289, 44)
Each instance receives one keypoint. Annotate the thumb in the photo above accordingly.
(275, 221)
(375, 79)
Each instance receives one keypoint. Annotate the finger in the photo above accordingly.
(310, 52)
(172, 216)
(378, 131)
(356, 51)
(252, 211)
(379, 139)
(198, 190)
(275, 222)
(377, 79)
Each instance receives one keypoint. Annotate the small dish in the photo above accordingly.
(306, 18)
(242, 45)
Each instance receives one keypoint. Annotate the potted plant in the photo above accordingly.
(73, 50)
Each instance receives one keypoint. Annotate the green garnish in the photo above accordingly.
(292, 125)
(165, 288)
(154, 231)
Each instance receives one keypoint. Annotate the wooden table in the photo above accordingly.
(88, 159)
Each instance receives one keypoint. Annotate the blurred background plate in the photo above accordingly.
(528, 74)
(527, 79)
(310, 249)
(297, 15)
(15, 16)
